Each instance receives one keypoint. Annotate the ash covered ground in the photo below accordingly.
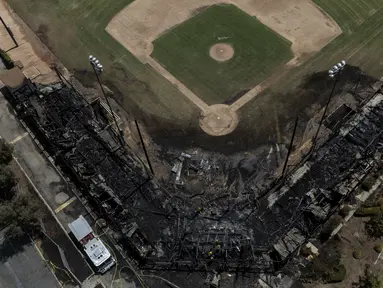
(206, 212)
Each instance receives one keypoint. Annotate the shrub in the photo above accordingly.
(368, 211)
(336, 275)
(6, 59)
(6, 151)
(357, 254)
(378, 248)
(368, 280)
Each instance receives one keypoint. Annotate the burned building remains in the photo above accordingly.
(166, 231)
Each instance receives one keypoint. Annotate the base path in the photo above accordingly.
(300, 21)
(215, 120)
(188, 93)
(218, 120)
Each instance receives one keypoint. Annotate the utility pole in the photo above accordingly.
(290, 147)
(98, 69)
(144, 147)
(357, 83)
(334, 72)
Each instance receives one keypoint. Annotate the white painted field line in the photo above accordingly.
(180, 86)
(377, 259)
(18, 138)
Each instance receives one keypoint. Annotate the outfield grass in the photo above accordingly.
(184, 52)
(360, 46)
(74, 33)
(76, 28)
(349, 13)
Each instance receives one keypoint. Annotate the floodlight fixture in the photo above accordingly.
(334, 72)
(336, 69)
(98, 68)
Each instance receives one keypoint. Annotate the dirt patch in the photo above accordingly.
(31, 53)
(353, 238)
(221, 52)
(198, 10)
(236, 96)
(218, 120)
(42, 33)
(299, 21)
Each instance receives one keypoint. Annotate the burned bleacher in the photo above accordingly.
(167, 231)
(312, 193)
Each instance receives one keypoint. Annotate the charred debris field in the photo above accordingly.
(213, 214)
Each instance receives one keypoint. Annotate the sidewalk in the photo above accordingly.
(63, 203)
(51, 187)
(33, 66)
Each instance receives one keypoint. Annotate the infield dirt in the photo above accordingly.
(221, 52)
(300, 21)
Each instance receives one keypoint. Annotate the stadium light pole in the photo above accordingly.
(98, 69)
(334, 72)
(357, 83)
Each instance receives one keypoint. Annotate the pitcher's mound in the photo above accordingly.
(221, 52)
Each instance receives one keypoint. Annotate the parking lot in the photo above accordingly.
(22, 265)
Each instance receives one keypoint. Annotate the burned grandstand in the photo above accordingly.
(166, 230)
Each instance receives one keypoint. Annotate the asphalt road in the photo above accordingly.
(52, 187)
(21, 266)
(49, 183)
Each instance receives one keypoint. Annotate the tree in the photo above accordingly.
(20, 215)
(368, 280)
(7, 183)
(374, 227)
(6, 151)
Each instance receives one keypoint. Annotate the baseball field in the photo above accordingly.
(131, 38)
(184, 51)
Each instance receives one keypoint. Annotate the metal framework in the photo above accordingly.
(165, 230)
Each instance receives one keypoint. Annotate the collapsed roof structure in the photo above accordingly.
(167, 231)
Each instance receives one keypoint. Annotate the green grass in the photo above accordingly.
(361, 47)
(73, 29)
(184, 52)
(74, 33)
(349, 13)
